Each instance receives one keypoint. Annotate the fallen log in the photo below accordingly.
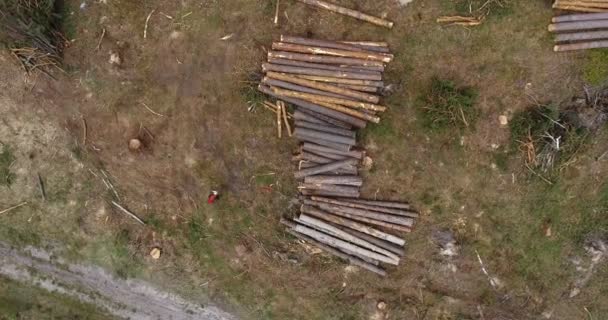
(581, 46)
(308, 192)
(349, 12)
(578, 25)
(373, 49)
(295, 87)
(372, 56)
(303, 132)
(315, 148)
(316, 108)
(320, 225)
(316, 158)
(352, 224)
(325, 128)
(323, 59)
(321, 43)
(350, 170)
(338, 146)
(319, 98)
(344, 92)
(301, 116)
(353, 260)
(578, 8)
(358, 69)
(372, 221)
(366, 83)
(579, 36)
(580, 17)
(399, 220)
(380, 203)
(324, 168)
(398, 212)
(379, 242)
(367, 43)
(328, 187)
(329, 155)
(266, 67)
(326, 119)
(337, 180)
(339, 243)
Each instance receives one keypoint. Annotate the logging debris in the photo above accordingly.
(349, 12)
(333, 88)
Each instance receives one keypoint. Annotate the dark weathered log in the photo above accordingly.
(325, 128)
(303, 132)
(324, 59)
(579, 36)
(333, 145)
(373, 56)
(338, 180)
(352, 224)
(359, 113)
(301, 116)
(367, 43)
(353, 260)
(328, 187)
(349, 12)
(580, 17)
(316, 108)
(355, 87)
(315, 97)
(308, 156)
(581, 46)
(324, 168)
(578, 25)
(329, 155)
(295, 63)
(374, 222)
(326, 227)
(266, 67)
(373, 49)
(322, 43)
(350, 170)
(326, 119)
(326, 87)
(381, 203)
(308, 192)
(399, 212)
(315, 148)
(367, 83)
(403, 221)
(295, 87)
(379, 242)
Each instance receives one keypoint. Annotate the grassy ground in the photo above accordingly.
(465, 178)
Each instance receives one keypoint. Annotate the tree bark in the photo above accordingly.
(325, 227)
(317, 148)
(398, 212)
(578, 25)
(353, 260)
(324, 128)
(324, 168)
(349, 12)
(319, 98)
(342, 92)
(357, 69)
(316, 108)
(308, 192)
(338, 180)
(324, 59)
(301, 116)
(352, 224)
(320, 72)
(380, 57)
(379, 242)
(580, 17)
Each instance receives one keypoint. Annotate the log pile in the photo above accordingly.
(333, 87)
(580, 31)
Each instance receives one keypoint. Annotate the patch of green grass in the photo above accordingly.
(125, 263)
(18, 237)
(22, 301)
(447, 105)
(380, 131)
(497, 9)
(596, 67)
(6, 160)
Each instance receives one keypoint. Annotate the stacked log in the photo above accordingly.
(580, 31)
(582, 5)
(333, 88)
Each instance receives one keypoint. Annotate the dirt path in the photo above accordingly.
(128, 299)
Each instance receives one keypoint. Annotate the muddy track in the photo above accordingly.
(128, 299)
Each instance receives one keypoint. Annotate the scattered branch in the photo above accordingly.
(152, 111)
(128, 213)
(13, 207)
(146, 26)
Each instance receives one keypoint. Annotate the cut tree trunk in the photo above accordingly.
(329, 187)
(578, 25)
(379, 242)
(398, 212)
(371, 56)
(303, 132)
(320, 72)
(579, 36)
(580, 17)
(321, 149)
(324, 59)
(338, 180)
(367, 83)
(581, 46)
(294, 63)
(308, 192)
(321, 43)
(400, 220)
(324, 168)
(295, 87)
(326, 119)
(380, 203)
(325, 128)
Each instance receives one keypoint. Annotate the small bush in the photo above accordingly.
(449, 106)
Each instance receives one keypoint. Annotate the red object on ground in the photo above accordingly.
(212, 197)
